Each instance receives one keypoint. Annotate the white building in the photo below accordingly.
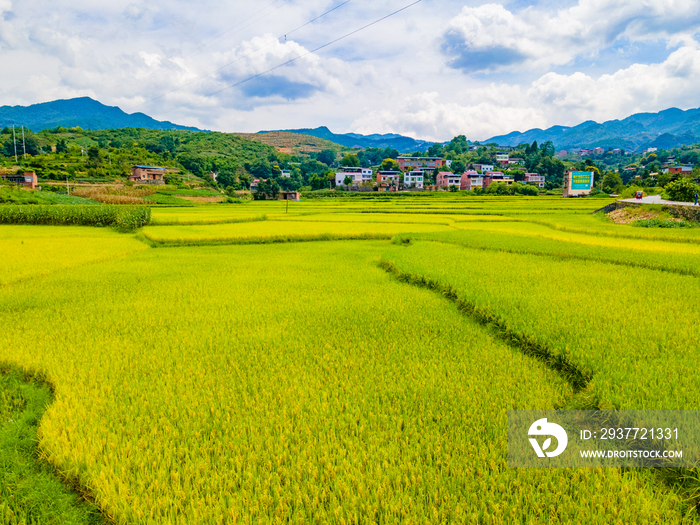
(358, 175)
(413, 179)
(535, 179)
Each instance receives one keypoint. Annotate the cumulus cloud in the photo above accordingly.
(490, 37)
(425, 116)
(551, 99)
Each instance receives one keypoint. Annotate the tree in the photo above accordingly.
(612, 183)
(267, 189)
(260, 169)
(61, 146)
(458, 145)
(310, 167)
(682, 190)
(390, 153)
(547, 149)
(389, 165)
(435, 150)
(347, 180)
(94, 156)
(327, 156)
(457, 166)
(227, 178)
(350, 160)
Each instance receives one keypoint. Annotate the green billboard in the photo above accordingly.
(581, 180)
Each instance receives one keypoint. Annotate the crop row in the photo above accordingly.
(125, 218)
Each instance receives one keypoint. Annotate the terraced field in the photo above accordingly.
(362, 379)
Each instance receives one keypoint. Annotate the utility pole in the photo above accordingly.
(14, 141)
(24, 147)
(67, 187)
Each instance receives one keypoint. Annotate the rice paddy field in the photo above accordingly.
(348, 361)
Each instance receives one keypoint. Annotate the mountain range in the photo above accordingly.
(666, 129)
(83, 112)
(355, 140)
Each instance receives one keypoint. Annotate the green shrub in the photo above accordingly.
(682, 190)
(660, 223)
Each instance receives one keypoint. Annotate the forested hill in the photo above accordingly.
(83, 112)
(356, 140)
(666, 129)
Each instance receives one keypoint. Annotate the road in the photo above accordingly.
(656, 199)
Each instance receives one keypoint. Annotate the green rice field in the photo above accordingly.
(309, 362)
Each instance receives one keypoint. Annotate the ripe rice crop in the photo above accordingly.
(292, 383)
(302, 383)
(34, 251)
(270, 230)
(628, 326)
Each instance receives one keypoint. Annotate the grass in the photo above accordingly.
(30, 491)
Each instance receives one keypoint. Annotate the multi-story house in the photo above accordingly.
(358, 175)
(471, 180)
(413, 179)
(387, 179)
(422, 163)
(496, 176)
(535, 179)
(445, 179)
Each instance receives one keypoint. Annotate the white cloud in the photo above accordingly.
(425, 116)
(490, 37)
(551, 99)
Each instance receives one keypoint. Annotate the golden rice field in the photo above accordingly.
(210, 369)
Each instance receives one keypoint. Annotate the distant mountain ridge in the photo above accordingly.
(669, 128)
(83, 112)
(355, 140)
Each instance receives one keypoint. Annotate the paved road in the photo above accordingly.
(656, 199)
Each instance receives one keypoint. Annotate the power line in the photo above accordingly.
(239, 58)
(211, 42)
(305, 54)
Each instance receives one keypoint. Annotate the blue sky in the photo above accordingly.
(435, 70)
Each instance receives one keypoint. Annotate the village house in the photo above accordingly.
(357, 174)
(413, 179)
(496, 176)
(470, 180)
(481, 168)
(147, 174)
(682, 170)
(423, 163)
(535, 179)
(445, 179)
(28, 179)
(502, 157)
(387, 178)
